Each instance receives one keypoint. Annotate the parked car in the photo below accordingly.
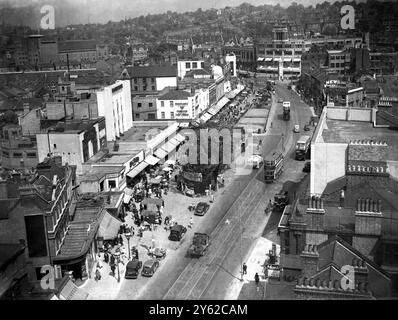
(133, 269)
(307, 127)
(296, 128)
(177, 232)
(201, 208)
(150, 267)
(307, 167)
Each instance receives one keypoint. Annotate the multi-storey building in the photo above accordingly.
(114, 103)
(338, 61)
(76, 141)
(281, 57)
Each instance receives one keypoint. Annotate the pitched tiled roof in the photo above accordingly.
(152, 71)
(77, 45)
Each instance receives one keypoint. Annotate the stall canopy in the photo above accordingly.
(170, 145)
(137, 169)
(180, 138)
(151, 160)
(160, 153)
(206, 117)
(109, 227)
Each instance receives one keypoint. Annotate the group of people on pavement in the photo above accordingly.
(256, 276)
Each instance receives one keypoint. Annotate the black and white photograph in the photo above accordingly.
(216, 152)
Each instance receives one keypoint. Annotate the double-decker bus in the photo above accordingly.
(273, 166)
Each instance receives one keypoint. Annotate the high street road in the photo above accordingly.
(233, 222)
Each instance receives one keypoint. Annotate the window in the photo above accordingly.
(171, 104)
(202, 65)
(102, 186)
(112, 184)
(17, 155)
(162, 103)
(135, 81)
(194, 65)
(31, 154)
(139, 105)
(163, 115)
(187, 65)
(55, 146)
(172, 115)
(150, 104)
(144, 88)
(137, 115)
(6, 154)
(144, 80)
(153, 88)
(151, 116)
(153, 80)
(135, 88)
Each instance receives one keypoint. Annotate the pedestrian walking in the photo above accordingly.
(113, 268)
(256, 279)
(244, 268)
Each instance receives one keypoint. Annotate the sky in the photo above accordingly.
(91, 11)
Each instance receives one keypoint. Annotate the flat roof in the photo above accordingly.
(140, 133)
(109, 158)
(340, 131)
(73, 126)
(97, 173)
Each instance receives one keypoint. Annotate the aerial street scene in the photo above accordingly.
(173, 150)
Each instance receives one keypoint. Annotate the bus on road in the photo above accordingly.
(273, 166)
(302, 146)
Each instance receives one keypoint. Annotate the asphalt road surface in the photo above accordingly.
(234, 222)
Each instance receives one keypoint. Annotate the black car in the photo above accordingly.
(307, 167)
(307, 127)
(201, 208)
(177, 232)
(133, 269)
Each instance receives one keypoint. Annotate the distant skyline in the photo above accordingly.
(101, 11)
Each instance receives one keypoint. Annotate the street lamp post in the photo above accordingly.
(128, 236)
(117, 254)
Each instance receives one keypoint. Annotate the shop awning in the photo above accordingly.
(287, 59)
(127, 198)
(268, 59)
(180, 138)
(160, 153)
(151, 160)
(137, 169)
(231, 94)
(206, 117)
(260, 59)
(169, 146)
(109, 227)
(296, 59)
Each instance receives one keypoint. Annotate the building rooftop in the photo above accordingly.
(97, 173)
(151, 71)
(77, 45)
(142, 133)
(175, 95)
(340, 131)
(73, 126)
